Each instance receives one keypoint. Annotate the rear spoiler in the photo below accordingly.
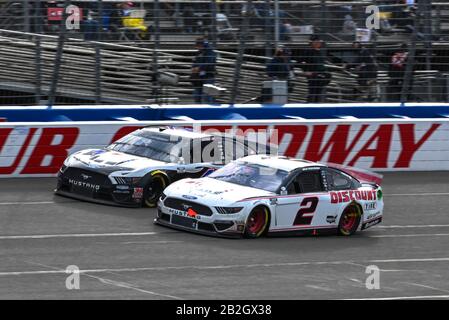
(362, 175)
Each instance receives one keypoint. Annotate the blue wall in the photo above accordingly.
(291, 111)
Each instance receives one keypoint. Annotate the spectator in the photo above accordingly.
(313, 65)
(408, 18)
(203, 70)
(90, 27)
(349, 26)
(189, 20)
(252, 13)
(396, 72)
(280, 67)
(285, 31)
(134, 22)
(365, 66)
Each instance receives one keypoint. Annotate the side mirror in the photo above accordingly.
(283, 191)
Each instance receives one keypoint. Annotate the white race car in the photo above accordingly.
(258, 195)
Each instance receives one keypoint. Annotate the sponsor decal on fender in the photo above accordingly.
(371, 223)
(351, 195)
(370, 206)
(138, 193)
(372, 216)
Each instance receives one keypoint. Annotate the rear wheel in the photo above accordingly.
(349, 220)
(257, 222)
(153, 190)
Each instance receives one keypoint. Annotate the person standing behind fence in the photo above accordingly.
(365, 66)
(396, 72)
(203, 70)
(313, 65)
(280, 67)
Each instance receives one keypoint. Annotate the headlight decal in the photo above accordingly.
(228, 210)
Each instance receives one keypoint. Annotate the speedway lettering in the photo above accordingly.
(340, 142)
(47, 148)
(351, 195)
(41, 150)
(339, 145)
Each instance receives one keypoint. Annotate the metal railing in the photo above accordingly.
(111, 58)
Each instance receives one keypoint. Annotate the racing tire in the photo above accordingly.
(350, 220)
(153, 190)
(257, 222)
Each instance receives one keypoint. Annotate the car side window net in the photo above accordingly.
(337, 180)
(309, 182)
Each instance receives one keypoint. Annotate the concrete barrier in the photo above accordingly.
(223, 112)
(39, 149)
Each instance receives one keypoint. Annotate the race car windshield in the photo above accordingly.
(160, 147)
(251, 175)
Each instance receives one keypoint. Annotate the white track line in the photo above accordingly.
(113, 282)
(417, 194)
(413, 226)
(410, 235)
(404, 298)
(425, 286)
(27, 203)
(411, 260)
(78, 235)
(125, 234)
(130, 286)
(222, 267)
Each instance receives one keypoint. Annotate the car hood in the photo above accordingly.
(213, 192)
(109, 160)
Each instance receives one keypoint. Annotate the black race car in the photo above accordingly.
(134, 170)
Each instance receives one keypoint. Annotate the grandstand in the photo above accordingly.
(118, 67)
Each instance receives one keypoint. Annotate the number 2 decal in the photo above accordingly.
(305, 214)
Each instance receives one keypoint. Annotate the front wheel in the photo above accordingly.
(257, 222)
(350, 220)
(153, 190)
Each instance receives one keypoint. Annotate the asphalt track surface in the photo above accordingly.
(122, 255)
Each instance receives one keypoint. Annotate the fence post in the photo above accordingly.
(276, 24)
(58, 58)
(241, 51)
(427, 30)
(98, 54)
(26, 16)
(38, 52)
(408, 75)
(324, 23)
(213, 4)
(266, 26)
(155, 91)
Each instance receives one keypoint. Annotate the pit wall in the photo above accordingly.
(38, 149)
(222, 112)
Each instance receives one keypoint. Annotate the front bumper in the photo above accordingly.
(97, 200)
(214, 225)
(104, 193)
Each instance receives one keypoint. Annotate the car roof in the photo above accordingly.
(179, 132)
(280, 162)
